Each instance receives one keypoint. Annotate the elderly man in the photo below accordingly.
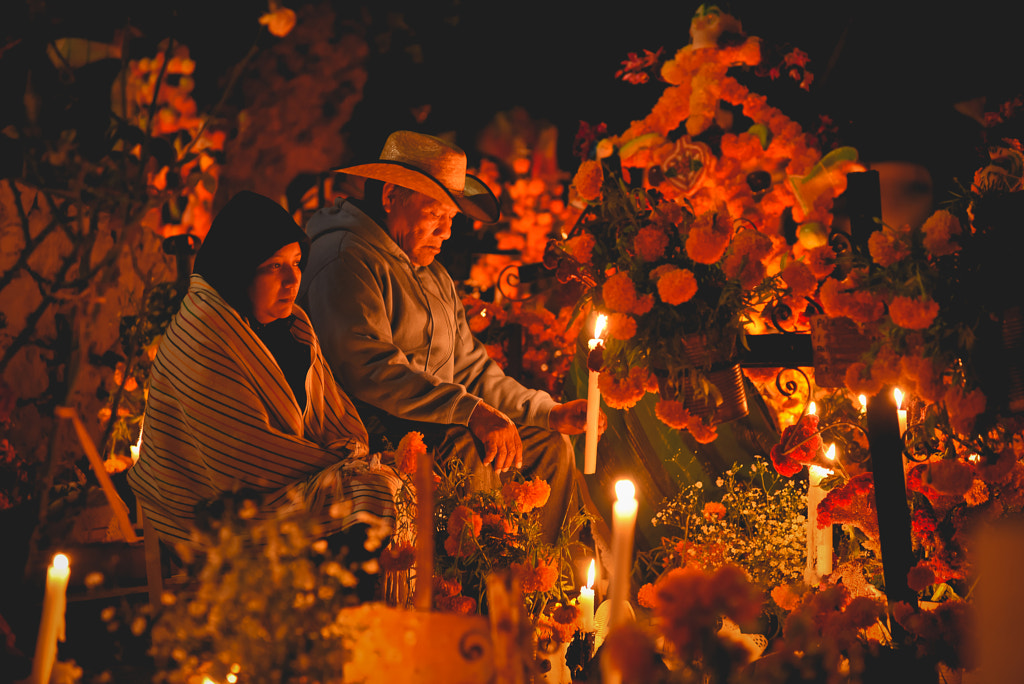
(394, 330)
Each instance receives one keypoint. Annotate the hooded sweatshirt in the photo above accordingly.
(396, 334)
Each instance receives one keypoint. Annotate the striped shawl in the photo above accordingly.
(220, 416)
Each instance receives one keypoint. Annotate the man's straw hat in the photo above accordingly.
(434, 168)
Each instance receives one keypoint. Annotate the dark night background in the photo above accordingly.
(888, 73)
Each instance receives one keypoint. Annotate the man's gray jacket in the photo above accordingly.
(396, 334)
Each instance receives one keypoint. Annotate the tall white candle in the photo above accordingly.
(51, 625)
(587, 602)
(819, 542)
(901, 412)
(593, 404)
(623, 523)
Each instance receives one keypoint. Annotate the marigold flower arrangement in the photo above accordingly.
(684, 232)
(478, 532)
(939, 302)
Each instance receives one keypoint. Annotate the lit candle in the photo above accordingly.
(901, 412)
(823, 537)
(593, 404)
(136, 448)
(812, 409)
(51, 626)
(623, 522)
(586, 602)
(819, 542)
(863, 403)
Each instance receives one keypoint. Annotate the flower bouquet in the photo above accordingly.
(684, 239)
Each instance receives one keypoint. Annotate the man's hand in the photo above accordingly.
(571, 418)
(502, 445)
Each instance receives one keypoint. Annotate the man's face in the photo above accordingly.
(417, 223)
(273, 289)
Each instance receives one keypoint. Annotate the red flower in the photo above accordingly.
(800, 444)
(853, 503)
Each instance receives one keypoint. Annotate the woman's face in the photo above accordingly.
(273, 290)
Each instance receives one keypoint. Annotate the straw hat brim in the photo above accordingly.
(476, 200)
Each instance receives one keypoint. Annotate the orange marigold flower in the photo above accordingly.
(463, 605)
(528, 495)
(677, 285)
(938, 231)
(279, 22)
(398, 557)
(581, 247)
(567, 614)
(619, 293)
(454, 547)
(821, 261)
(446, 586)
(785, 597)
(913, 313)
(408, 452)
(624, 393)
(498, 523)
(887, 247)
(621, 326)
(703, 433)
(645, 595)
(799, 278)
(650, 243)
(588, 180)
(463, 517)
(963, 407)
(540, 578)
(714, 510)
(644, 303)
(708, 238)
(672, 413)
(858, 379)
(743, 263)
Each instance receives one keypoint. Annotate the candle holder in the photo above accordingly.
(580, 656)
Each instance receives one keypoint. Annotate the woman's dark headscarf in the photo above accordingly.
(244, 234)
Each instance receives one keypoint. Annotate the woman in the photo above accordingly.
(240, 396)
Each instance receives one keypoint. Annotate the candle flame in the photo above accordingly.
(819, 471)
(231, 678)
(898, 396)
(863, 402)
(831, 453)
(590, 575)
(599, 326)
(812, 409)
(136, 448)
(60, 562)
(625, 490)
